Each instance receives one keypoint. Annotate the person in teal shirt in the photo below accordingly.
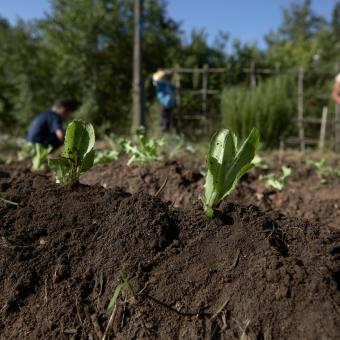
(166, 96)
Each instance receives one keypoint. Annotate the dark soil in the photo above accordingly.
(180, 177)
(244, 275)
(303, 196)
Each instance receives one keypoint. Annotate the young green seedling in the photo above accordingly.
(105, 156)
(259, 162)
(78, 153)
(38, 154)
(144, 150)
(112, 307)
(277, 183)
(226, 165)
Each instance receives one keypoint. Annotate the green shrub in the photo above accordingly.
(268, 107)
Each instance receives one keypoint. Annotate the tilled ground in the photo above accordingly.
(245, 275)
(303, 196)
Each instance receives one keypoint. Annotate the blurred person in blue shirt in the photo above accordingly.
(47, 127)
(166, 96)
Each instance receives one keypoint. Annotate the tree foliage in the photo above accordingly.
(83, 49)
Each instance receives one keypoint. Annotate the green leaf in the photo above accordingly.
(39, 157)
(61, 168)
(78, 153)
(115, 296)
(124, 282)
(105, 156)
(87, 162)
(286, 172)
(226, 165)
(79, 140)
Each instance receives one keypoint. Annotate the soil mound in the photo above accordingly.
(182, 183)
(180, 178)
(245, 274)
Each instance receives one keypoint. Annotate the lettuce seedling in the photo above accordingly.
(144, 150)
(105, 156)
(226, 164)
(78, 154)
(277, 183)
(38, 154)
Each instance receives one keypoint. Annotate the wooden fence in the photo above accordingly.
(328, 121)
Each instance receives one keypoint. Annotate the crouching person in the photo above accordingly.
(47, 127)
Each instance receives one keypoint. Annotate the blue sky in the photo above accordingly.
(247, 19)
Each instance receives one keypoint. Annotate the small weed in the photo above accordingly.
(112, 307)
(144, 149)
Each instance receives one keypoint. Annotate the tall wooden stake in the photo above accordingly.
(300, 109)
(138, 81)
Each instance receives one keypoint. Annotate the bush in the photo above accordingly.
(268, 107)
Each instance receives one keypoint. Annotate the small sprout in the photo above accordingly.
(320, 166)
(112, 307)
(259, 162)
(78, 154)
(38, 154)
(180, 146)
(325, 172)
(124, 283)
(144, 150)
(277, 183)
(105, 156)
(226, 165)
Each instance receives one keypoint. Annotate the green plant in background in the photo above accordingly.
(267, 107)
(78, 154)
(105, 156)
(324, 171)
(144, 149)
(226, 164)
(37, 153)
(320, 166)
(180, 145)
(259, 162)
(277, 183)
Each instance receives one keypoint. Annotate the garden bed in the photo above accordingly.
(251, 273)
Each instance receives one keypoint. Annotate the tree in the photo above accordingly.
(299, 23)
(336, 21)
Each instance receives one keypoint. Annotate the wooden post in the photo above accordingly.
(277, 68)
(336, 119)
(205, 96)
(323, 127)
(138, 81)
(252, 74)
(300, 109)
(178, 85)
